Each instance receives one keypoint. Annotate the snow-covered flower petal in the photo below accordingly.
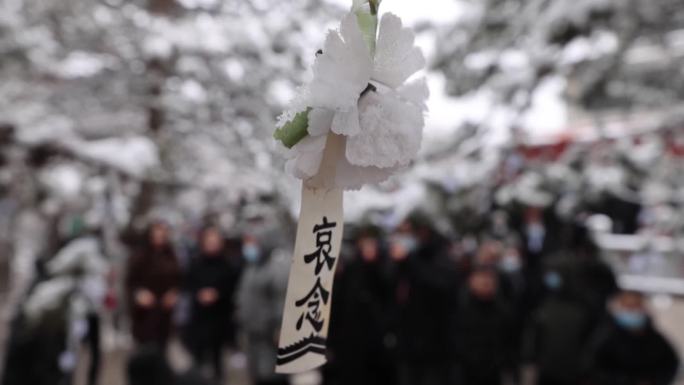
(381, 130)
(309, 154)
(297, 104)
(320, 121)
(343, 70)
(396, 57)
(391, 135)
(351, 177)
(416, 92)
(347, 122)
(309, 164)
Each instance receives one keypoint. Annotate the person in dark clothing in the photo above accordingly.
(538, 231)
(363, 356)
(33, 351)
(333, 370)
(629, 350)
(595, 281)
(514, 291)
(211, 283)
(536, 227)
(424, 297)
(557, 333)
(93, 340)
(484, 332)
(148, 366)
(152, 283)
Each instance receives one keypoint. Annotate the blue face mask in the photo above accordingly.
(251, 252)
(630, 320)
(510, 264)
(407, 242)
(553, 280)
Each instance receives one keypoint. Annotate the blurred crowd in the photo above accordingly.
(525, 303)
(525, 300)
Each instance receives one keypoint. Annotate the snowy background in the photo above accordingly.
(114, 111)
(117, 112)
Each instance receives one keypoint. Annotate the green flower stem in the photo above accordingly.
(368, 22)
(294, 131)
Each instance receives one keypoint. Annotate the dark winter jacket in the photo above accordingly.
(621, 357)
(209, 323)
(485, 340)
(556, 338)
(157, 271)
(362, 300)
(424, 290)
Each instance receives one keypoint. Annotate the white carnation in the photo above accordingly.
(384, 127)
(391, 135)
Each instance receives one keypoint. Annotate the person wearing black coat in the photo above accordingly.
(485, 335)
(362, 354)
(424, 296)
(557, 333)
(210, 283)
(629, 350)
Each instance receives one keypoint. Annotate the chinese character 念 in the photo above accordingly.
(313, 303)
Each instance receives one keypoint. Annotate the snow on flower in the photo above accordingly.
(361, 93)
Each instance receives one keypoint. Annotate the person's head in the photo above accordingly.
(211, 241)
(511, 260)
(499, 219)
(583, 244)
(422, 226)
(533, 214)
(629, 310)
(368, 244)
(483, 284)
(403, 241)
(158, 234)
(368, 249)
(489, 254)
(407, 227)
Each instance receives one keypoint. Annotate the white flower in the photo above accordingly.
(365, 99)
